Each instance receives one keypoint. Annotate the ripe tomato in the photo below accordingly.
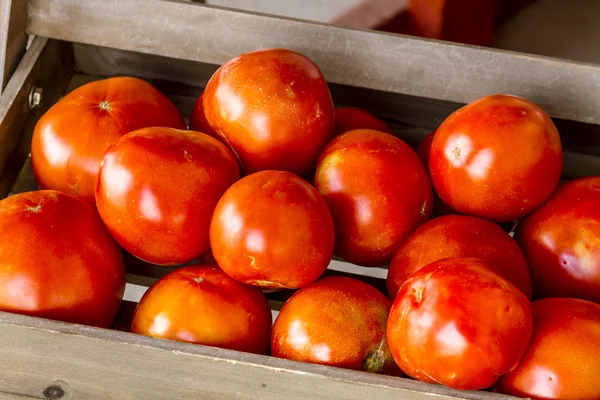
(70, 139)
(203, 305)
(561, 241)
(58, 260)
(562, 360)
(457, 323)
(272, 229)
(274, 109)
(459, 236)
(424, 148)
(350, 118)
(378, 192)
(198, 121)
(335, 321)
(158, 188)
(498, 158)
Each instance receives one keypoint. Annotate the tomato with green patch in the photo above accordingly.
(336, 321)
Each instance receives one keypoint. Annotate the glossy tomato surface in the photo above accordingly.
(158, 188)
(498, 158)
(273, 107)
(70, 139)
(351, 118)
(459, 236)
(203, 305)
(378, 192)
(562, 360)
(272, 229)
(198, 121)
(457, 323)
(335, 321)
(561, 241)
(58, 260)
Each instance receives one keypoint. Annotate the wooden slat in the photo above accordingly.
(46, 64)
(89, 363)
(13, 40)
(368, 59)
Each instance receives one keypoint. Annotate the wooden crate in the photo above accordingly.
(411, 83)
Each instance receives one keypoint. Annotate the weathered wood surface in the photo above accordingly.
(48, 65)
(89, 363)
(368, 59)
(13, 40)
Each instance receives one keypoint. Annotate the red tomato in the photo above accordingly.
(274, 109)
(424, 148)
(70, 139)
(205, 306)
(198, 121)
(459, 236)
(561, 241)
(57, 260)
(350, 118)
(335, 321)
(378, 192)
(457, 323)
(562, 360)
(498, 158)
(158, 188)
(272, 229)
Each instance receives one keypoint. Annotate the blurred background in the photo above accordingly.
(567, 29)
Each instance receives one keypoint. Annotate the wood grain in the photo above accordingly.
(89, 363)
(368, 59)
(46, 64)
(13, 40)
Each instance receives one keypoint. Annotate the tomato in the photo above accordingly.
(561, 241)
(498, 158)
(198, 121)
(273, 107)
(424, 148)
(378, 192)
(272, 229)
(459, 236)
(70, 139)
(562, 360)
(58, 260)
(457, 323)
(205, 306)
(351, 118)
(158, 188)
(335, 321)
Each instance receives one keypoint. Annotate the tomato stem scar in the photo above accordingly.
(418, 293)
(104, 105)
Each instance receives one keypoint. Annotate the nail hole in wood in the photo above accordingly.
(54, 392)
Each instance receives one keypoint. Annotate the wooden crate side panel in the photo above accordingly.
(47, 65)
(368, 59)
(13, 40)
(89, 363)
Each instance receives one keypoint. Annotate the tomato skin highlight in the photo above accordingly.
(203, 305)
(308, 326)
(272, 229)
(498, 158)
(351, 118)
(378, 192)
(274, 109)
(58, 260)
(453, 312)
(70, 139)
(459, 236)
(561, 361)
(561, 241)
(157, 190)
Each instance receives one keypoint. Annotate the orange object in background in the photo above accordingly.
(463, 21)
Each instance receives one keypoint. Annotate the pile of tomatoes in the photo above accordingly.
(269, 182)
